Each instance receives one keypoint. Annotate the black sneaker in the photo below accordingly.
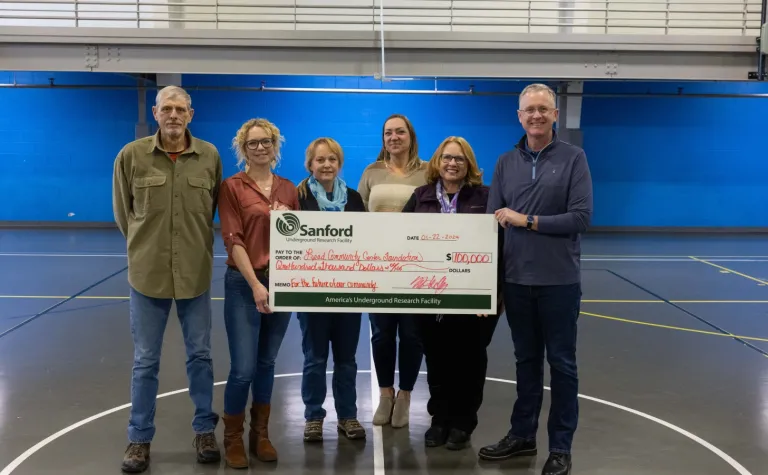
(457, 440)
(436, 436)
(207, 448)
(136, 458)
(508, 447)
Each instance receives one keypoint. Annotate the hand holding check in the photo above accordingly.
(508, 217)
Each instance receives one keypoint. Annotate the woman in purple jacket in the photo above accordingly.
(454, 345)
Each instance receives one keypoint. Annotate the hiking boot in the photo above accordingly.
(313, 431)
(351, 429)
(207, 448)
(136, 458)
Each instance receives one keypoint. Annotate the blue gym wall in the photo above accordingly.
(655, 161)
(672, 162)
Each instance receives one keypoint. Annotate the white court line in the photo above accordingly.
(378, 435)
(35, 448)
(727, 458)
(8, 470)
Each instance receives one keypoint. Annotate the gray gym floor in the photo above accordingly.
(673, 349)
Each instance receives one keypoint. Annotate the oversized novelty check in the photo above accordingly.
(322, 261)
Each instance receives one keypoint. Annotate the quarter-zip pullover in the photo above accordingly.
(556, 186)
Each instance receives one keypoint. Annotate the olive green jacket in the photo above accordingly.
(165, 209)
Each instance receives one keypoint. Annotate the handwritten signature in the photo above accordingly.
(430, 282)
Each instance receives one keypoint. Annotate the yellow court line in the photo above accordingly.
(719, 301)
(62, 297)
(597, 315)
(670, 327)
(622, 301)
(35, 297)
(729, 270)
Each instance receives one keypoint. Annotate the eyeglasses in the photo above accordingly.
(459, 159)
(533, 110)
(254, 144)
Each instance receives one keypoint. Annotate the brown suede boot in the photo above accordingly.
(234, 449)
(258, 436)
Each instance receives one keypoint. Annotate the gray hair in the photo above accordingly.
(538, 87)
(171, 92)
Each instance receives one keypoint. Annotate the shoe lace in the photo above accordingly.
(205, 442)
(352, 424)
(135, 450)
(314, 426)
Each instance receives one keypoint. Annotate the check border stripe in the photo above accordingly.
(381, 300)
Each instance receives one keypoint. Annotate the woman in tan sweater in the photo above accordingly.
(385, 186)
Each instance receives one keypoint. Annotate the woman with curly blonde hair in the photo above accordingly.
(244, 207)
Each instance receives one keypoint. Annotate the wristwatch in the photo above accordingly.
(529, 220)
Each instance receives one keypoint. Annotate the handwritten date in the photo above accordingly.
(439, 237)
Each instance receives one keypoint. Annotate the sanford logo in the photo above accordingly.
(288, 224)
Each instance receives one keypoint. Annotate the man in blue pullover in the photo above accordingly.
(541, 194)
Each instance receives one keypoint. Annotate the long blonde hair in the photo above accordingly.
(309, 155)
(474, 176)
(238, 142)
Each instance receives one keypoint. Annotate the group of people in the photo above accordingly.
(167, 189)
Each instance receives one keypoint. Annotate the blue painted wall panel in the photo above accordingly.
(355, 120)
(57, 146)
(667, 161)
(677, 161)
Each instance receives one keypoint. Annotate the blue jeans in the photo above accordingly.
(149, 317)
(342, 331)
(254, 341)
(544, 318)
(385, 328)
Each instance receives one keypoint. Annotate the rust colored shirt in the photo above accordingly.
(244, 214)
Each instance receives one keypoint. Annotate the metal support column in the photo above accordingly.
(142, 127)
(569, 104)
(172, 79)
(176, 15)
(762, 45)
(565, 15)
